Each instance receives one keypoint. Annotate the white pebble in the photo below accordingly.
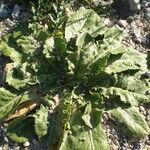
(122, 23)
(6, 139)
(15, 12)
(109, 22)
(134, 5)
(26, 144)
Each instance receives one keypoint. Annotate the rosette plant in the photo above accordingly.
(59, 83)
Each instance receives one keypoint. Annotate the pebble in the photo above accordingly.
(17, 148)
(6, 139)
(124, 141)
(148, 117)
(26, 144)
(123, 148)
(143, 110)
(122, 23)
(5, 125)
(114, 146)
(111, 136)
(134, 5)
(10, 23)
(109, 22)
(144, 3)
(147, 14)
(16, 11)
(125, 144)
(3, 12)
(146, 138)
(116, 142)
(138, 146)
(105, 117)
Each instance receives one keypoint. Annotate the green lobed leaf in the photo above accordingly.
(48, 47)
(131, 60)
(133, 83)
(132, 98)
(86, 115)
(82, 20)
(131, 121)
(79, 136)
(14, 79)
(26, 43)
(10, 52)
(41, 121)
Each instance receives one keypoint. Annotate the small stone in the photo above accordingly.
(138, 146)
(109, 22)
(16, 11)
(111, 136)
(134, 5)
(108, 130)
(113, 131)
(105, 117)
(146, 138)
(3, 11)
(148, 117)
(140, 141)
(17, 148)
(116, 136)
(96, 2)
(9, 23)
(5, 125)
(122, 23)
(142, 108)
(116, 142)
(6, 139)
(123, 148)
(125, 143)
(114, 146)
(109, 140)
(26, 144)
(107, 127)
(144, 4)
